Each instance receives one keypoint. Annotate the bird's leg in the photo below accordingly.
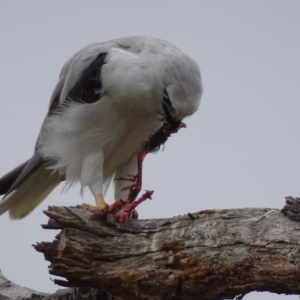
(125, 209)
(122, 207)
(136, 187)
(131, 178)
(101, 205)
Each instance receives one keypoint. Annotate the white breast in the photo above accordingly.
(89, 142)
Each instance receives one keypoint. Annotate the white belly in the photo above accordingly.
(89, 142)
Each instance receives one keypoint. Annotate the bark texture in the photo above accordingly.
(205, 255)
(10, 290)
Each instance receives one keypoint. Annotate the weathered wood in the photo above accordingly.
(205, 255)
(10, 290)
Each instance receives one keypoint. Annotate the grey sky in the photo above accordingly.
(240, 150)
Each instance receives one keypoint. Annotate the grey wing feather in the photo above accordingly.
(8, 179)
(87, 88)
(31, 166)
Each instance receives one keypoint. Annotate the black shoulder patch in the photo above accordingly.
(88, 88)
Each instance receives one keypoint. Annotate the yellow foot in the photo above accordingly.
(101, 205)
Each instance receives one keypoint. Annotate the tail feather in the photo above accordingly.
(23, 197)
(8, 180)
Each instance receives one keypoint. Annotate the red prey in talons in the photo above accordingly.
(125, 209)
(166, 130)
(123, 214)
(119, 205)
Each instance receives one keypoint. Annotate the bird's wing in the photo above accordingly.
(28, 185)
(86, 89)
(79, 81)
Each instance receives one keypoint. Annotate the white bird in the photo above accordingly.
(108, 102)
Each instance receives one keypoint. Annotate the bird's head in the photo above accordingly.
(182, 87)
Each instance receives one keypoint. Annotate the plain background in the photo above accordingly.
(241, 149)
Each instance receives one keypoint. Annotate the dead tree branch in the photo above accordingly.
(204, 255)
(10, 290)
